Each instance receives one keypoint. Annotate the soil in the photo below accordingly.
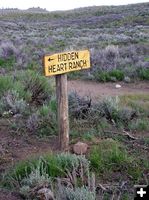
(7, 195)
(97, 90)
(17, 147)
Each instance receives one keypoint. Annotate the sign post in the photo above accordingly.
(62, 107)
(59, 65)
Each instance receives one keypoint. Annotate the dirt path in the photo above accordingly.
(15, 147)
(98, 90)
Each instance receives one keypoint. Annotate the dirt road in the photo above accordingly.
(99, 90)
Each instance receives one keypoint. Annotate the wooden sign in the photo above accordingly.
(66, 62)
(59, 64)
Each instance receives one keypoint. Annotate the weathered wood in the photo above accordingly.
(62, 105)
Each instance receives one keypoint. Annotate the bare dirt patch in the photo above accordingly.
(20, 147)
(99, 90)
(7, 195)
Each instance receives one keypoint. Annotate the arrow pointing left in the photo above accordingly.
(50, 59)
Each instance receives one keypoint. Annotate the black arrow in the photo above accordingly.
(50, 59)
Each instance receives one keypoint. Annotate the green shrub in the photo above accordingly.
(7, 63)
(118, 74)
(42, 122)
(144, 74)
(139, 125)
(12, 178)
(12, 84)
(114, 75)
(111, 109)
(24, 94)
(126, 115)
(108, 155)
(40, 88)
(11, 102)
(135, 172)
(66, 175)
(6, 83)
(61, 165)
(53, 104)
(75, 75)
(102, 76)
(82, 193)
(37, 178)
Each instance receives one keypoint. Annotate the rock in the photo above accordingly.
(45, 194)
(118, 86)
(80, 148)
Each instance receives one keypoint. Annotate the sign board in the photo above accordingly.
(66, 62)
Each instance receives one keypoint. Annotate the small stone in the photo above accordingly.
(118, 86)
(80, 148)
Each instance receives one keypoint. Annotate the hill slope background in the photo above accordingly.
(117, 37)
(115, 128)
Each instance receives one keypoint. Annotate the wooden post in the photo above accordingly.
(62, 103)
(58, 65)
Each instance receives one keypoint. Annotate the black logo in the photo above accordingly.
(141, 192)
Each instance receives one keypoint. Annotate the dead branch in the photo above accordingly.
(129, 136)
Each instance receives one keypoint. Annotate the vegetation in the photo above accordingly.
(115, 128)
(49, 172)
(119, 47)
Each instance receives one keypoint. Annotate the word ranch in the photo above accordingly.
(67, 66)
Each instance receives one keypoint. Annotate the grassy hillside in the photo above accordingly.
(117, 37)
(115, 128)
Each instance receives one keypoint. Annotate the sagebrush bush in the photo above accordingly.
(82, 193)
(60, 173)
(8, 50)
(42, 122)
(126, 115)
(111, 109)
(70, 161)
(11, 102)
(79, 107)
(128, 60)
(139, 125)
(111, 52)
(38, 178)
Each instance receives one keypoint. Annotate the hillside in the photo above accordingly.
(117, 36)
(111, 121)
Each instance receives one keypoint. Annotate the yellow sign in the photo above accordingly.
(66, 62)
